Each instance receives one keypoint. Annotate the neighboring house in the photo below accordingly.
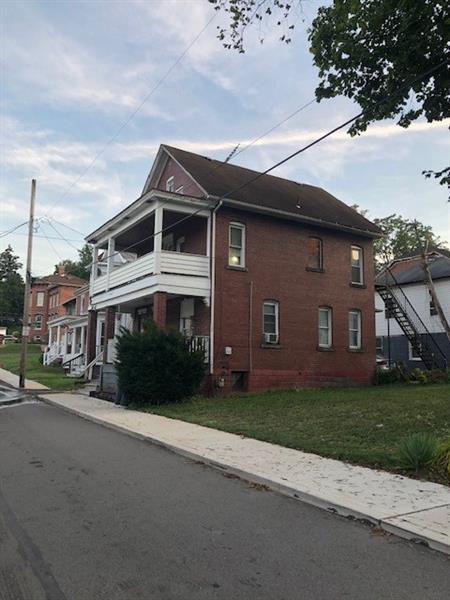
(47, 298)
(408, 327)
(68, 333)
(275, 283)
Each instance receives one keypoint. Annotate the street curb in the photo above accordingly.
(285, 490)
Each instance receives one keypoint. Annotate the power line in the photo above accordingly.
(50, 244)
(61, 236)
(281, 162)
(68, 227)
(36, 235)
(4, 233)
(133, 114)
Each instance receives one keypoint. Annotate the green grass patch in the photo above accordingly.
(359, 425)
(52, 376)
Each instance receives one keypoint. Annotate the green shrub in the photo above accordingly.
(155, 367)
(417, 450)
(419, 376)
(386, 376)
(441, 460)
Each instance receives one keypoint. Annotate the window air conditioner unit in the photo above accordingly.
(270, 338)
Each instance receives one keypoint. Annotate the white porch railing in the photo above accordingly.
(176, 263)
(199, 342)
(54, 352)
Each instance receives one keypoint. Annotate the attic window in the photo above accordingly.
(170, 184)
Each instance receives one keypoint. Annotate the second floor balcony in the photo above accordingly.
(161, 246)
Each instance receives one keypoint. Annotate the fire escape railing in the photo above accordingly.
(400, 308)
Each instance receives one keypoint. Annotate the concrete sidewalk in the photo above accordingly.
(11, 379)
(412, 509)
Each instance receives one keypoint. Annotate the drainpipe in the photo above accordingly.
(213, 284)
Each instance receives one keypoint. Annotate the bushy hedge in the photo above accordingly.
(155, 367)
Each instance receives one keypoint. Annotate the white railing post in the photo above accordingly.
(157, 240)
(110, 260)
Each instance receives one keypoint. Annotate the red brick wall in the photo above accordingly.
(38, 310)
(276, 254)
(172, 169)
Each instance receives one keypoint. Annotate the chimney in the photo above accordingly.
(61, 270)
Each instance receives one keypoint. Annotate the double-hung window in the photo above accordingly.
(271, 328)
(40, 299)
(236, 245)
(354, 329)
(38, 322)
(325, 327)
(357, 265)
(315, 254)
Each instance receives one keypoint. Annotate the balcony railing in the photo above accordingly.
(177, 263)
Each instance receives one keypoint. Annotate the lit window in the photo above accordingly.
(357, 265)
(325, 327)
(170, 184)
(315, 253)
(38, 322)
(40, 299)
(271, 321)
(354, 329)
(236, 254)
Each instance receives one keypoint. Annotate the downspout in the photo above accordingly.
(212, 302)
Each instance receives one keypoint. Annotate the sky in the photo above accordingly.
(73, 74)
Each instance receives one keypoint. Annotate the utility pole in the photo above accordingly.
(26, 298)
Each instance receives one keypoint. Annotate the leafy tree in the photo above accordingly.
(369, 51)
(80, 267)
(11, 289)
(155, 367)
(400, 239)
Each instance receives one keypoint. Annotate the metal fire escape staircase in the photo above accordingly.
(400, 308)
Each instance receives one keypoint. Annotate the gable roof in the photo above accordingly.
(57, 279)
(270, 193)
(409, 270)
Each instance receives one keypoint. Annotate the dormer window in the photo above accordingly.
(170, 184)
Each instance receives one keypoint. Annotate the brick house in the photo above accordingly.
(275, 281)
(48, 295)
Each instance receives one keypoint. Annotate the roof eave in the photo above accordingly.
(301, 218)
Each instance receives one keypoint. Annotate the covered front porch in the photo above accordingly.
(189, 315)
(67, 343)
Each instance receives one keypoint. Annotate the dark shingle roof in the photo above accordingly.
(57, 279)
(218, 178)
(410, 270)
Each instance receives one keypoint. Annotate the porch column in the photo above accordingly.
(91, 336)
(110, 319)
(58, 335)
(160, 309)
(110, 260)
(50, 336)
(94, 264)
(82, 348)
(157, 240)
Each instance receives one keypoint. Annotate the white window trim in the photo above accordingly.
(361, 265)
(410, 353)
(329, 328)
(359, 338)
(276, 304)
(241, 226)
(170, 183)
(40, 295)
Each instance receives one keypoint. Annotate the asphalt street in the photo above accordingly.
(87, 513)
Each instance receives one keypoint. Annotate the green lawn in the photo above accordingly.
(360, 425)
(52, 376)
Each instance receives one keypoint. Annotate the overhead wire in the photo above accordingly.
(133, 113)
(279, 163)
